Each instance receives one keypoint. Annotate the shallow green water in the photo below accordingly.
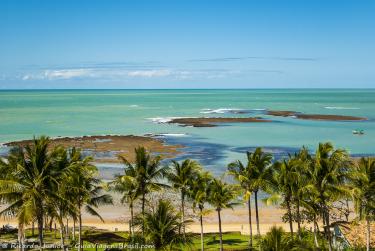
(93, 112)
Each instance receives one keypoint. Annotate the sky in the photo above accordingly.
(68, 44)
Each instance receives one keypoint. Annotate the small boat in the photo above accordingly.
(358, 132)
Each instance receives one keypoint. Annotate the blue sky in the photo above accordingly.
(187, 44)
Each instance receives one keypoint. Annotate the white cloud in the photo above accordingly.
(123, 73)
(26, 77)
(96, 73)
(67, 74)
(59, 74)
(150, 73)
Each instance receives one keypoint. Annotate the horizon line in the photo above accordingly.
(239, 88)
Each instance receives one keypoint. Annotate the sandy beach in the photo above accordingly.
(116, 219)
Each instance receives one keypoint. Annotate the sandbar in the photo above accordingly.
(212, 122)
(325, 117)
(107, 148)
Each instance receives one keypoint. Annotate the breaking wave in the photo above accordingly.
(341, 108)
(228, 110)
(163, 120)
(170, 134)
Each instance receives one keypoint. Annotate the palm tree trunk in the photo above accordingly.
(201, 222)
(143, 213)
(298, 219)
(368, 234)
(79, 229)
(183, 215)
(40, 222)
(45, 224)
(20, 236)
(62, 233)
(50, 224)
(315, 232)
(328, 229)
(130, 228)
(74, 229)
(32, 228)
(256, 212)
(220, 231)
(131, 220)
(67, 227)
(290, 216)
(250, 223)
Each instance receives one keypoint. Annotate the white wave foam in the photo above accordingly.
(229, 110)
(172, 134)
(341, 108)
(220, 110)
(133, 106)
(163, 120)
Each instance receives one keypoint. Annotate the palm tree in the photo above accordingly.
(312, 210)
(363, 190)
(87, 191)
(127, 186)
(148, 172)
(199, 194)
(327, 176)
(285, 178)
(289, 181)
(243, 174)
(301, 163)
(161, 226)
(261, 176)
(292, 183)
(14, 198)
(59, 210)
(29, 174)
(63, 204)
(221, 195)
(277, 240)
(181, 177)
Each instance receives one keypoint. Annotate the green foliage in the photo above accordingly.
(161, 226)
(362, 187)
(29, 181)
(181, 177)
(145, 173)
(38, 180)
(221, 194)
(277, 240)
(182, 174)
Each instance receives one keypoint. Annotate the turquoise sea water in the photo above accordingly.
(96, 112)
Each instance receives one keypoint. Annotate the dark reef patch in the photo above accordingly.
(277, 152)
(324, 117)
(208, 154)
(215, 121)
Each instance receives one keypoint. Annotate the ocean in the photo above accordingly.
(26, 113)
